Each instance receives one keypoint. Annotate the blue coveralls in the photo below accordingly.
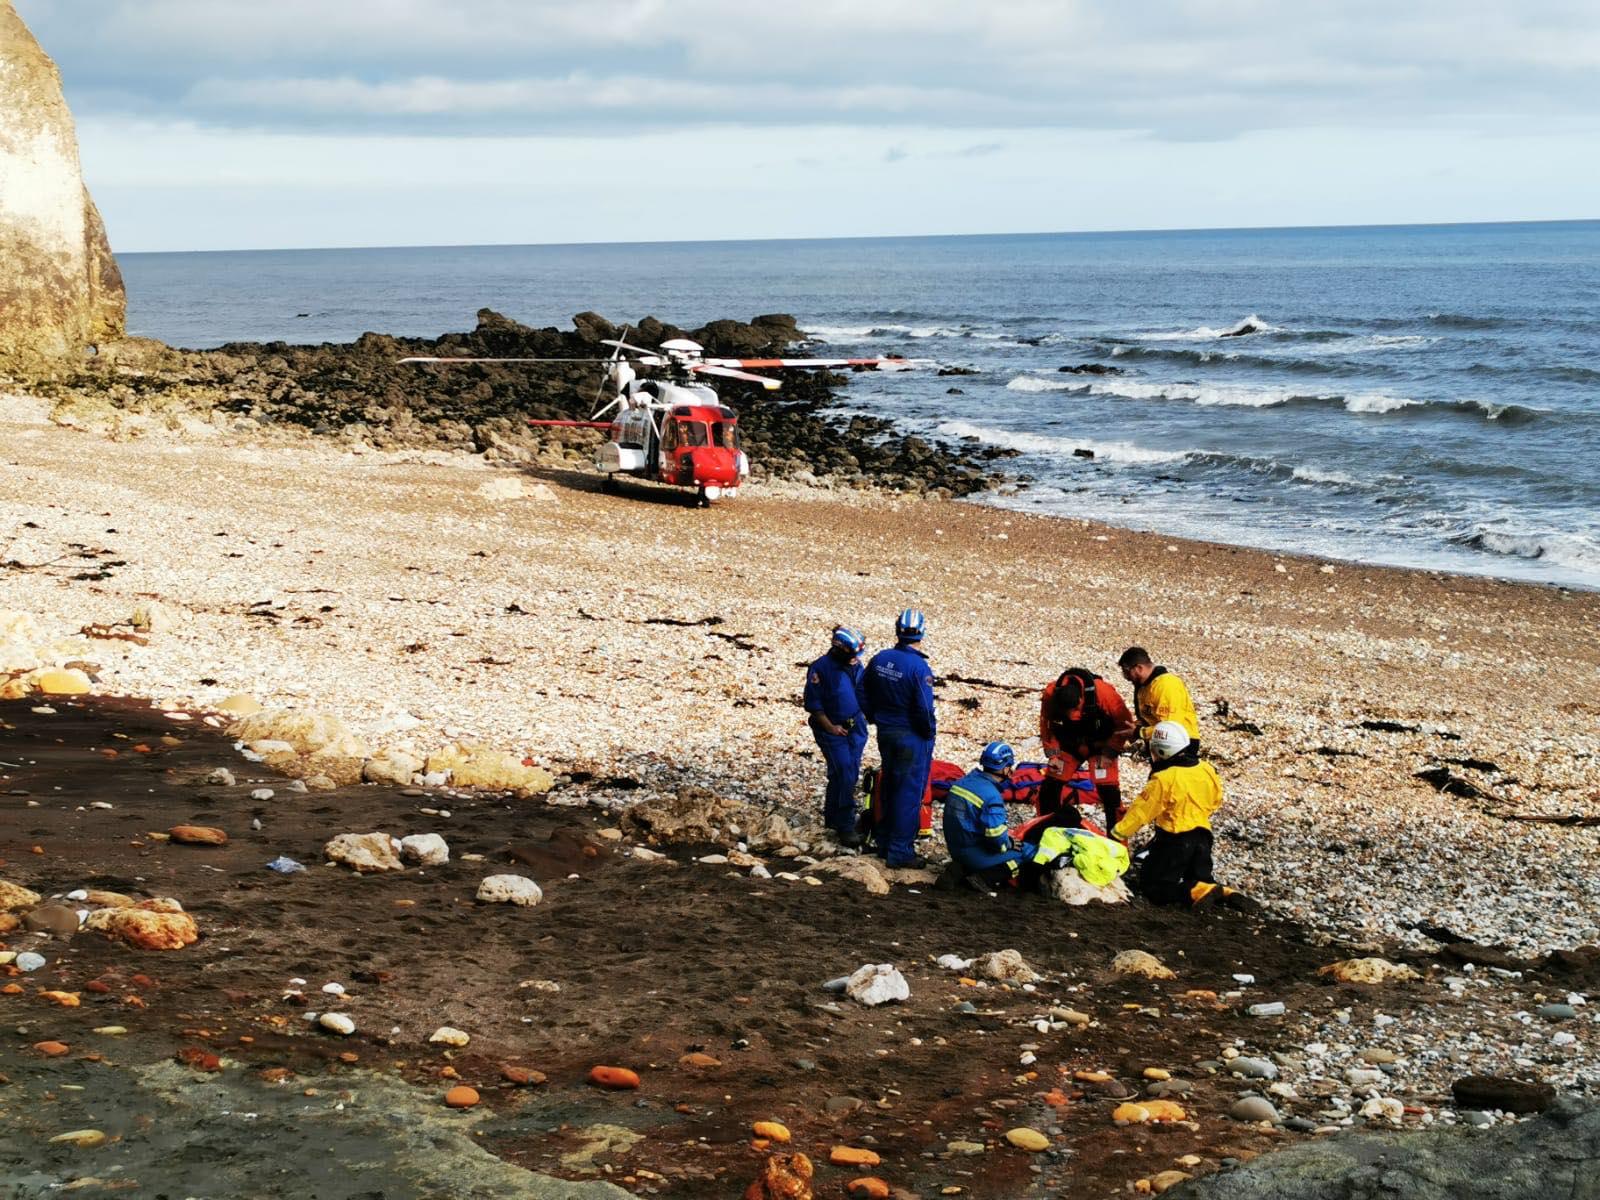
(899, 701)
(975, 829)
(833, 688)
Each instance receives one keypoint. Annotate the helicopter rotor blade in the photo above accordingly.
(775, 363)
(622, 345)
(454, 359)
(771, 385)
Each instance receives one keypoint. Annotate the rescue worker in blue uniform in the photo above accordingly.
(833, 698)
(899, 701)
(975, 822)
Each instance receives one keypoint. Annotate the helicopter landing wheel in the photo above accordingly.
(609, 485)
(702, 500)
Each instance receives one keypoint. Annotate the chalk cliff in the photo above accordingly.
(60, 289)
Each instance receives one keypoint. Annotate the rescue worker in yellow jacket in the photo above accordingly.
(1158, 695)
(1179, 799)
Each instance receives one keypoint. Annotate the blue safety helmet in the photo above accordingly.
(910, 625)
(997, 758)
(848, 640)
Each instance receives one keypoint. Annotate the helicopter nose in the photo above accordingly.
(711, 465)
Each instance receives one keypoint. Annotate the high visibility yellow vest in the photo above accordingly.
(1099, 860)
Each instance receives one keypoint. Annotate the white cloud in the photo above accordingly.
(1169, 66)
(300, 122)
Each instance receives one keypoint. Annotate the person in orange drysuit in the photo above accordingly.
(1084, 724)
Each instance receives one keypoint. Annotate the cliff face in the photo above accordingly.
(60, 289)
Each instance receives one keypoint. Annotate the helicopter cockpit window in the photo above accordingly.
(725, 434)
(669, 436)
(692, 433)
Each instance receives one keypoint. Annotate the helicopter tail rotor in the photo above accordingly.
(617, 372)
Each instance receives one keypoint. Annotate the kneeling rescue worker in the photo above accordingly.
(1182, 794)
(833, 702)
(975, 819)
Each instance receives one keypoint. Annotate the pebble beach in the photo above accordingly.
(426, 598)
(1411, 759)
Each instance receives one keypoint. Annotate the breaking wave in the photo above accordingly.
(1311, 354)
(1040, 443)
(1205, 333)
(1179, 464)
(1574, 550)
(1446, 320)
(1241, 396)
(837, 334)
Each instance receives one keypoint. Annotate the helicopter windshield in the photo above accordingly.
(692, 433)
(725, 434)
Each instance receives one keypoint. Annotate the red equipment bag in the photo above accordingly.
(940, 777)
(1021, 788)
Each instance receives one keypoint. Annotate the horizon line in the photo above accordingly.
(1064, 233)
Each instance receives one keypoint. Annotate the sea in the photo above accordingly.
(1421, 396)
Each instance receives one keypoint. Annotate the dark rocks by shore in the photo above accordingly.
(361, 391)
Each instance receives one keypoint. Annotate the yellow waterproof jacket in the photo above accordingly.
(1164, 698)
(1098, 860)
(1176, 799)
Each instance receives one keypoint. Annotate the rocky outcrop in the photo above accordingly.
(60, 289)
(362, 393)
(1554, 1155)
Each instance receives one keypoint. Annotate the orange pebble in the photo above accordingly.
(97, 986)
(65, 999)
(619, 1078)
(11, 989)
(51, 1049)
(461, 1097)
(522, 1076)
(868, 1185)
(36, 849)
(849, 1156)
(771, 1130)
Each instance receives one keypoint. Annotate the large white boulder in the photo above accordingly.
(367, 853)
(877, 983)
(425, 849)
(510, 889)
(1069, 887)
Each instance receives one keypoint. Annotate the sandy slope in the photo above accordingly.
(419, 609)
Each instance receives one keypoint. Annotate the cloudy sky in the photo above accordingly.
(234, 123)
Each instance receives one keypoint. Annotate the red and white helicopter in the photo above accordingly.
(674, 429)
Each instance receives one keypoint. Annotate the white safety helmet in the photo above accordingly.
(1168, 738)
